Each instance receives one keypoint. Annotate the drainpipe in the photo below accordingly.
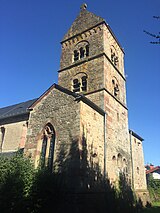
(130, 133)
(105, 145)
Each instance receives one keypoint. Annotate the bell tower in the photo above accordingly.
(92, 64)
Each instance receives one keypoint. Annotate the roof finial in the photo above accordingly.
(83, 6)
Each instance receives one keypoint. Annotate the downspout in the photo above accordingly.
(130, 134)
(105, 145)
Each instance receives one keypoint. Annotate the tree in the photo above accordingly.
(156, 36)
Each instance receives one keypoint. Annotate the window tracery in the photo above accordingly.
(47, 149)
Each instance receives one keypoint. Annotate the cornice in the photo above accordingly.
(104, 89)
(90, 59)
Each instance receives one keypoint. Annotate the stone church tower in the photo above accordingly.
(92, 64)
(83, 120)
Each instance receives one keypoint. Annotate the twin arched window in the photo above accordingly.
(80, 84)
(115, 88)
(114, 56)
(48, 144)
(82, 52)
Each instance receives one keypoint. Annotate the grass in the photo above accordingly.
(154, 209)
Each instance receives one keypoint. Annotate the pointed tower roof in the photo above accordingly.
(84, 21)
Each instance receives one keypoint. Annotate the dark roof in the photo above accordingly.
(16, 109)
(135, 135)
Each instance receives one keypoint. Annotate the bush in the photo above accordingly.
(154, 188)
(25, 189)
(16, 178)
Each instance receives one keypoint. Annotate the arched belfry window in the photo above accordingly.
(114, 56)
(87, 50)
(115, 87)
(79, 83)
(48, 144)
(84, 83)
(81, 50)
(76, 85)
(76, 55)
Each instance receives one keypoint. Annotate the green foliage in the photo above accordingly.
(154, 188)
(24, 189)
(16, 178)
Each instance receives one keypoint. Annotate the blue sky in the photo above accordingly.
(30, 35)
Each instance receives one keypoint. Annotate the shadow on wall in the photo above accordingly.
(77, 186)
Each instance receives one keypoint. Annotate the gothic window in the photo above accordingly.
(48, 143)
(138, 170)
(115, 88)
(76, 55)
(2, 133)
(76, 85)
(114, 57)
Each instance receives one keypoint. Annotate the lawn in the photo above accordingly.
(154, 209)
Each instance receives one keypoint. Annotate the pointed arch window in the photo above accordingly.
(48, 144)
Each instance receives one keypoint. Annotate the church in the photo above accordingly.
(86, 110)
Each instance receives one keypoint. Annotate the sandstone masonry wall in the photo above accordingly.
(14, 137)
(63, 113)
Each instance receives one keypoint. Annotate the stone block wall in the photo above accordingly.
(110, 41)
(118, 146)
(14, 136)
(62, 112)
(92, 135)
(139, 176)
(94, 38)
